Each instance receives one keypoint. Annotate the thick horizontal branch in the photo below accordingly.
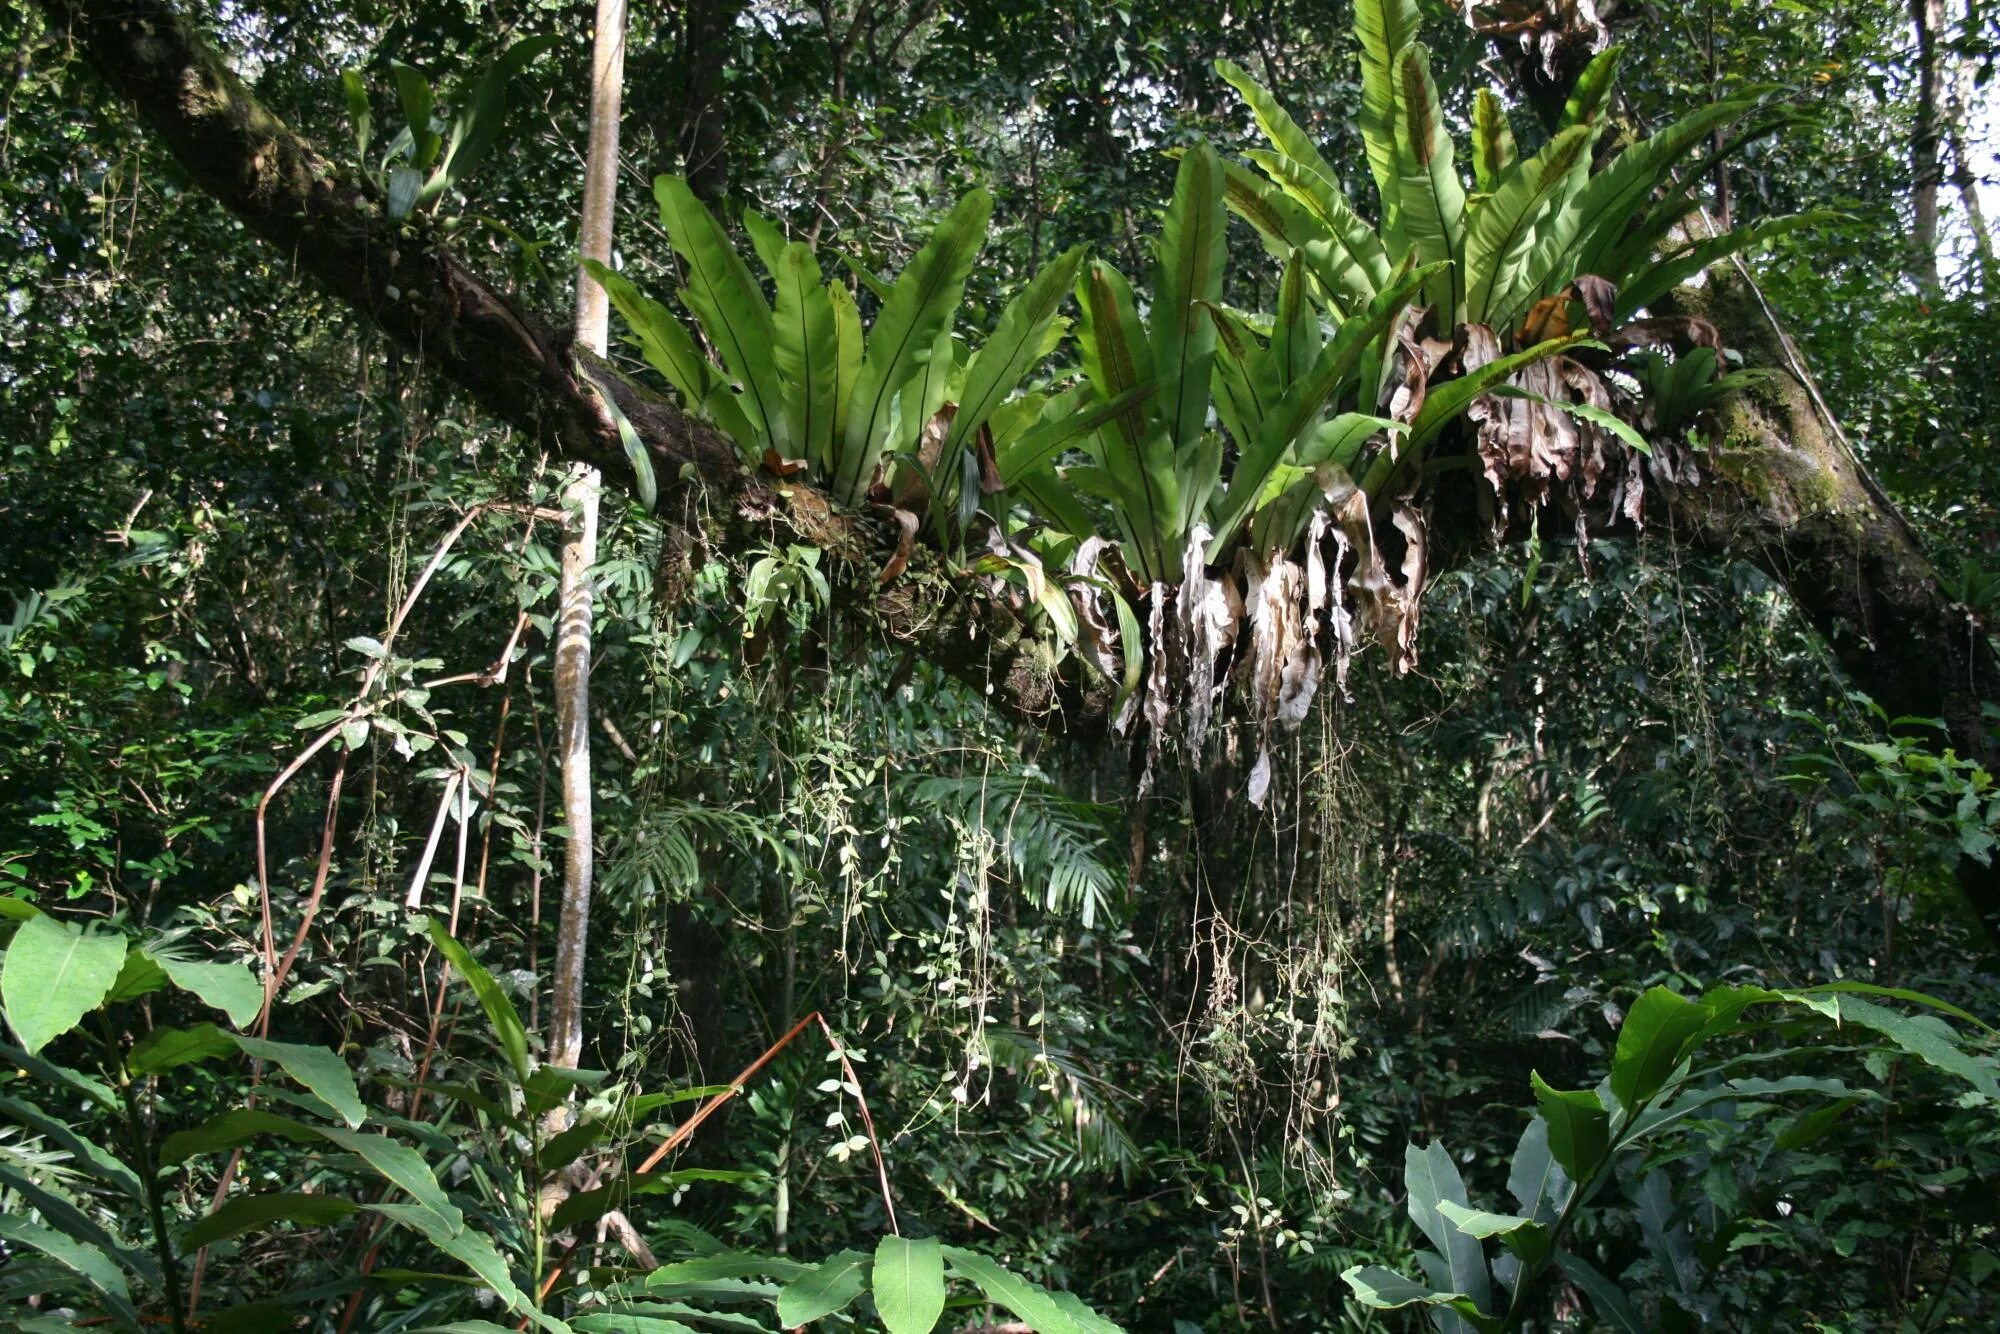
(403, 279)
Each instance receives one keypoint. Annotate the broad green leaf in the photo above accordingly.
(84, 1260)
(167, 1047)
(1587, 97)
(1187, 279)
(54, 974)
(1525, 1237)
(501, 1015)
(1277, 124)
(1535, 1179)
(1578, 1126)
(847, 363)
(1895, 993)
(477, 126)
(64, 1215)
(1385, 28)
(918, 310)
(1493, 151)
(1299, 409)
(636, 456)
(726, 1264)
(1661, 278)
(1247, 380)
(1431, 1179)
(808, 352)
(474, 1250)
(230, 987)
(1387, 1290)
(1132, 449)
(824, 1289)
(730, 306)
(1501, 232)
(1430, 207)
(86, 1155)
(319, 1071)
(1587, 412)
(1606, 1298)
(908, 1282)
(1038, 1308)
(1654, 1039)
(404, 1168)
(246, 1212)
(663, 340)
(1615, 195)
(414, 91)
(140, 976)
(61, 1077)
(1924, 1037)
(1014, 347)
(768, 242)
(229, 1130)
(1296, 339)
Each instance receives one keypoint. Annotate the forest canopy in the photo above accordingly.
(915, 665)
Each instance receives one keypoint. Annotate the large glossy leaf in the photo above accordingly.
(663, 340)
(86, 1154)
(1607, 1299)
(167, 1047)
(1277, 125)
(1579, 1129)
(1673, 270)
(247, 1212)
(474, 1250)
(1924, 1037)
(477, 126)
(1654, 1039)
(918, 310)
(1535, 1179)
(826, 1288)
(230, 987)
(1387, 1290)
(908, 1281)
(1038, 1308)
(81, 1258)
(55, 973)
(1431, 201)
(1385, 28)
(501, 1015)
(1525, 1237)
(1592, 90)
(808, 352)
(1493, 151)
(66, 1217)
(1431, 1178)
(1247, 378)
(1617, 194)
(731, 307)
(1296, 338)
(1132, 448)
(1018, 341)
(321, 1072)
(1501, 233)
(229, 1130)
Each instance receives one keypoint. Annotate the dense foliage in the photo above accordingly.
(1588, 956)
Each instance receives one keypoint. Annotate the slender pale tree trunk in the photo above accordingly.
(1958, 109)
(1926, 159)
(593, 316)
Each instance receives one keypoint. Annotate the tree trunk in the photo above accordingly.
(1926, 161)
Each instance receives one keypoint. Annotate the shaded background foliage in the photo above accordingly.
(1170, 1050)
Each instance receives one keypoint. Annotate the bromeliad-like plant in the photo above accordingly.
(796, 383)
(1539, 246)
(1582, 1141)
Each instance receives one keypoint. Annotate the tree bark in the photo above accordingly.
(1926, 159)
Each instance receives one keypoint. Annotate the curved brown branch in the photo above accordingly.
(403, 278)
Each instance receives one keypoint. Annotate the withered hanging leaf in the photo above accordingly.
(906, 525)
(1209, 612)
(990, 479)
(1668, 331)
(913, 485)
(779, 466)
(1599, 297)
